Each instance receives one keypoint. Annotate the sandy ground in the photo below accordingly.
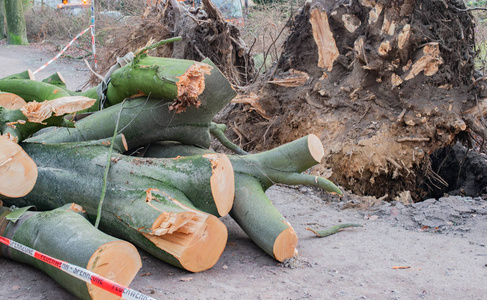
(441, 242)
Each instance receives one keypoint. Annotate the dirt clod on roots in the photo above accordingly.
(393, 94)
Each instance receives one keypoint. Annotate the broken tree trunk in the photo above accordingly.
(142, 204)
(19, 124)
(147, 120)
(252, 210)
(178, 80)
(64, 234)
(388, 85)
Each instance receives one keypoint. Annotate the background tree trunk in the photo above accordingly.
(16, 31)
(382, 83)
(2, 19)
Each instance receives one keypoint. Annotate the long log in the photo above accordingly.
(147, 120)
(142, 203)
(66, 235)
(254, 173)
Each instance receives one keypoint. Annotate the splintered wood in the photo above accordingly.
(38, 112)
(190, 85)
(294, 78)
(428, 63)
(327, 48)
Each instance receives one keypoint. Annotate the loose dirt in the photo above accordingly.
(434, 249)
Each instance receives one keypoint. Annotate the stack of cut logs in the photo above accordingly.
(133, 157)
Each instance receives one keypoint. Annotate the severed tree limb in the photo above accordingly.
(66, 235)
(18, 172)
(254, 173)
(27, 74)
(56, 79)
(11, 101)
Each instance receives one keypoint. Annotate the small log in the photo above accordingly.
(64, 234)
(18, 172)
(27, 74)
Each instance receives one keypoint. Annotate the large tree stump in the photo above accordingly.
(382, 83)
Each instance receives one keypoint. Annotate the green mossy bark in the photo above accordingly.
(60, 233)
(2, 20)
(31, 90)
(16, 30)
(56, 79)
(155, 76)
(22, 75)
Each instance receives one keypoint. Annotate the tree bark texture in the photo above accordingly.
(2, 20)
(16, 30)
(149, 202)
(66, 235)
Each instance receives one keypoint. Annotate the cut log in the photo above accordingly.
(64, 234)
(141, 204)
(11, 101)
(18, 172)
(140, 114)
(252, 209)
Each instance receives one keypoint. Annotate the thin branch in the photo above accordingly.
(105, 177)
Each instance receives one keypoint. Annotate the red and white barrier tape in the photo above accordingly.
(93, 32)
(62, 51)
(78, 272)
